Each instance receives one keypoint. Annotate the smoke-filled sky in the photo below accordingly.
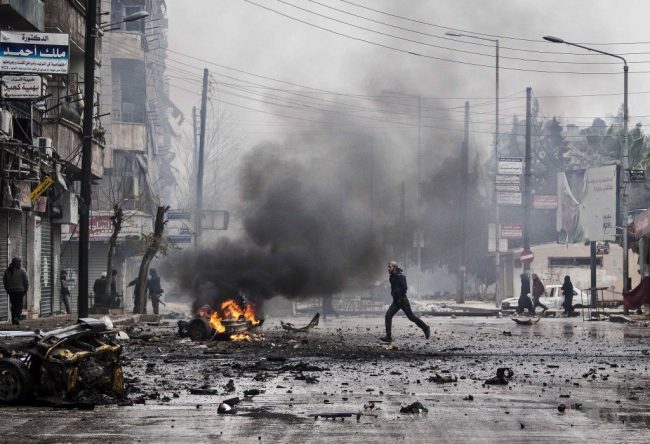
(304, 75)
(238, 34)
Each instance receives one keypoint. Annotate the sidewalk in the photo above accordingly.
(58, 321)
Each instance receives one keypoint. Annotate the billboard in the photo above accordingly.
(34, 52)
(587, 203)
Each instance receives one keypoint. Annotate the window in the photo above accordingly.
(573, 261)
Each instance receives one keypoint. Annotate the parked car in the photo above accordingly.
(553, 300)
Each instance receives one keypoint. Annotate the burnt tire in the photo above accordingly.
(16, 385)
(198, 330)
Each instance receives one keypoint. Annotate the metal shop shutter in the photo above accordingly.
(57, 305)
(4, 263)
(46, 267)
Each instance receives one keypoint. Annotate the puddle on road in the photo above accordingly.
(637, 419)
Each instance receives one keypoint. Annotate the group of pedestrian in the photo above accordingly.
(525, 303)
(16, 284)
(103, 298)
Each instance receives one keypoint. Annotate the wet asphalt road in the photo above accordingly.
(598, 370)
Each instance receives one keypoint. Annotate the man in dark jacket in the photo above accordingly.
(538, 291)
(398, 289)
(155, 290)
(16, 285)
(99, 289)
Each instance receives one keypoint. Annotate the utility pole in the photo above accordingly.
(464, 165)
(199, 180)
(497, 234)
(87, 156)
(528, 192)
(419, 235)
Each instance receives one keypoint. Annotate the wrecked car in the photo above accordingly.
(70, 364)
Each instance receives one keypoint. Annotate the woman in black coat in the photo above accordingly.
(567, 291)
(524, 300)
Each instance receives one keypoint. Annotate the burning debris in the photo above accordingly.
(69, 366)
(229, 322)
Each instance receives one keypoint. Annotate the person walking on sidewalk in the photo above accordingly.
(65, 291)
(398, 289)
(16, 285)
(567, 291)
(538, 291)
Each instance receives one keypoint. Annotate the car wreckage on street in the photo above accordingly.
(74, 364)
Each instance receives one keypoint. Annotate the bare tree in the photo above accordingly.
(155, 242)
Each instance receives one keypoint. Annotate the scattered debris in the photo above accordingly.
(620, 319)
(203, 391)
(290, 327)
(414, 408)
(230, 386)
(439, 379)
(502, 378)
(528, 321)
(252, 392)
(334, 416)
(561, 408)
(226, 409)
(468, 398)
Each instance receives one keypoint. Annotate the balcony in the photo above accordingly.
(123, 45)
(69, 16)
(127, 136)
(22, 14)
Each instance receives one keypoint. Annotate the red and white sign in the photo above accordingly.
(545, 201)
(134, 225)
(512, 231)
(527, 256)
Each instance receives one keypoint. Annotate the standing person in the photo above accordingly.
(398, 289)
(115, 297)
(524, 302)
(16, 285)
(65, 291)
(155, 290)
(567, 291)
(538, 291)
(99, 290)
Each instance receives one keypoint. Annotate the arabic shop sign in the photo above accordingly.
(34, 52)
(21, 87)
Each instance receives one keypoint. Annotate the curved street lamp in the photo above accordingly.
(626, 151)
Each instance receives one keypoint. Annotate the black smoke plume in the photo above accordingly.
(304, 234)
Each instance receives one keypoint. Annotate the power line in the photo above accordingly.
(490, 55)
(418, 54)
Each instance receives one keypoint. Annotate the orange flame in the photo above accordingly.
(240, 337)
(229, 310)
(232, 310)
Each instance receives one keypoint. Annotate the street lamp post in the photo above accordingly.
(497, 257)
(87, 148)
(626, 152)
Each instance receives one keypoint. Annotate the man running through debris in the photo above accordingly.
(398, 289)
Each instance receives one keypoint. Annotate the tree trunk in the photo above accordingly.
(116, 220)
(152, 249)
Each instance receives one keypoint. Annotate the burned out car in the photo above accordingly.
(71, 364)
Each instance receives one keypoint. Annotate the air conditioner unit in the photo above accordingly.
(44, 144)
(6, 125)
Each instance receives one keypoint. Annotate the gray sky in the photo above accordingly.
(238, 34)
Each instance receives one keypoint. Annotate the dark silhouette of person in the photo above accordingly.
(398, 289)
